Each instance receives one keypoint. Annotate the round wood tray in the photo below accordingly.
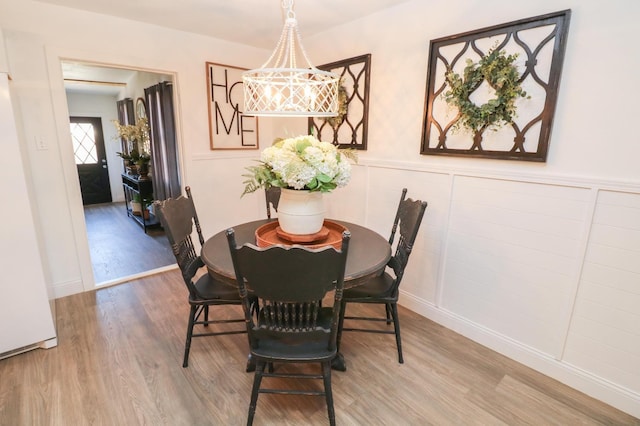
(330, 234)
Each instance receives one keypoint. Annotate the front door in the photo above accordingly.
(89, 152)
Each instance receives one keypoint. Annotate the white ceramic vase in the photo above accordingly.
(300, 212)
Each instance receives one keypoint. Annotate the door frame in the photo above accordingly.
(76, 208)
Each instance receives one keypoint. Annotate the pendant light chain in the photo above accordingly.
(290, 23)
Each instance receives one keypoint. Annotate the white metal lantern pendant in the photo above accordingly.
(282, 88)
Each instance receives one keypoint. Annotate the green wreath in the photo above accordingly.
(498, 70)
(343, 106)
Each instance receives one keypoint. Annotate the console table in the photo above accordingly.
(141, 189)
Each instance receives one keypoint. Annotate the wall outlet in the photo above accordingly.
(40, 143)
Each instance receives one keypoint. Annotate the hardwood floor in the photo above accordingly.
(119, 362)
(119, 246)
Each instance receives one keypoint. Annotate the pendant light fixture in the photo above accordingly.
(282, 87)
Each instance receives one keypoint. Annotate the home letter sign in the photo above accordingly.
(229, 128)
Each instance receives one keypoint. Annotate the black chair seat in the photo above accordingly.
(178, 218)
(303, 351)
(209, 289)
(380, 287)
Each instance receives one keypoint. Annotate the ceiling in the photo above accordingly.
(252, 22)
(84, 78)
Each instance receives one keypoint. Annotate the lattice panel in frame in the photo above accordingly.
(539, 43)
(351, 131)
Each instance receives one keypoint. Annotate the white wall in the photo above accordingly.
(510, 254)
(537, 261)
(587, 140)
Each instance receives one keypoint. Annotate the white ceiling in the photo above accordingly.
(84, 78)
(251, 22)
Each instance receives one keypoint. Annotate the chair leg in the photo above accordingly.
(343, 307)
(206, 316)
(251, 364)
(257, 379)
(396, 325)
(187, 345)
(387, 308)
(326, 376)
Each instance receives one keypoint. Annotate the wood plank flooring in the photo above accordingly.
(118, 245)
(119, 362)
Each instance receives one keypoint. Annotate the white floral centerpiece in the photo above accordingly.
(301, 162)
(302, 165)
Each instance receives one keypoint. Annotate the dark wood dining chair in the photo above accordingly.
(383, 289)
(178, 217)
(272, 197)
(292, 325)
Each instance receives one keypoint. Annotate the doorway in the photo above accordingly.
(91, 159)
(92, 92)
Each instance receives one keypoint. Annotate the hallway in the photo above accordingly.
(118, 245)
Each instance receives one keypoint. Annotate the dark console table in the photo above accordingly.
(141, 189)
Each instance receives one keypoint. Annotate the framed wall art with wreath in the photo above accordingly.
(492, 92)
(349, 128)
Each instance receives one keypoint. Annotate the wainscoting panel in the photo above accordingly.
(604, 337)
(512, 253)
(385, 188)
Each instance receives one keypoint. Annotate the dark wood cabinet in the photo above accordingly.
(139, 190)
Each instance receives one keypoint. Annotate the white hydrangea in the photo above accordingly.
(297, 161)
(344, 172)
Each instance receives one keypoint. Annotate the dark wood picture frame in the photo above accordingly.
(527, 138)
(351, 132)
(141, 109)
(229, 128)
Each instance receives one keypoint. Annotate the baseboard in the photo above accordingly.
(584, 381)
(137, 276)
(19, 351)
(46, 344)
(73, 287)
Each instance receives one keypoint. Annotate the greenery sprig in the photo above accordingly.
(336, 121)
(498, 69)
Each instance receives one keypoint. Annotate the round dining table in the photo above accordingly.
(368, 255)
